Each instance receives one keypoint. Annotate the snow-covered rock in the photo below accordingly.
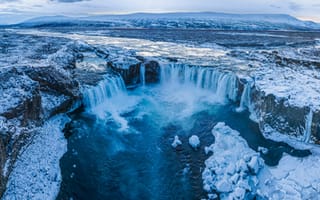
(234, 171)
(19, 96)
(36, 174)
(293, 178)
(194, 141)
(231, 172)
(176, 142)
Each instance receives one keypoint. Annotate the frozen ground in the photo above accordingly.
(235, 171)
(36, 174)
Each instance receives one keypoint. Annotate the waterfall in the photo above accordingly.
(143, 74)
(245, 101)
(111, 86)
(308, 126)
(223, 84)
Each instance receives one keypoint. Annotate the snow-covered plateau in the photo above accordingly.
(274, 76)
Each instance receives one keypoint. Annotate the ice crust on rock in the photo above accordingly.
(194, 141)
(176, 142)
(231, 172)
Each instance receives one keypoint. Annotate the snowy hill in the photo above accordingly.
(201, 20)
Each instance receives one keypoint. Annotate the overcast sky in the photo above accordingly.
(12, 10)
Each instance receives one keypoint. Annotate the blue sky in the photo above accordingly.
(13, 10)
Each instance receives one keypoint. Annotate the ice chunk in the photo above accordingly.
(263, 150)
(194, 141)
(224, 186)
(231, 171)
(254, 164)
(176, 142)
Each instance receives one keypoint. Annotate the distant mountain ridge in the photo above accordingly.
(196, 20)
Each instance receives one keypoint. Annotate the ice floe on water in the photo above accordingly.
(176, 142)
(235, 171)
(36, 174)
(231, 172)
(194, 141)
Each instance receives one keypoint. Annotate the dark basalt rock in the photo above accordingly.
(152, 72)
(51, 79)
(282, 117)
(131, 75)
(315, 128)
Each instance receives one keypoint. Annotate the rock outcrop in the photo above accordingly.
(131, 70)
(32, 93)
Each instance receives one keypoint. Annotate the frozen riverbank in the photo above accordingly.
(36, 174)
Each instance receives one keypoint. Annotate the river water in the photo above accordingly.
(120, 148)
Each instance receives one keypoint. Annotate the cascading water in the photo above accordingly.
(245, 100)
(95, 95)
(143, 74)
(222, 84)
(308, 126)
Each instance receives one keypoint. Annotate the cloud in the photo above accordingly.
(275, 6)
(3, 1)
(68, 1)
(294, 6)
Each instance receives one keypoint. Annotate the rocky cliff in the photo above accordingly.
(42, 76)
